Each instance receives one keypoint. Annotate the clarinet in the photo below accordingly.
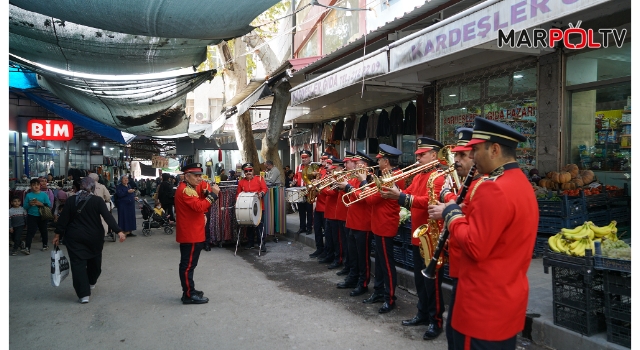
(430, 271)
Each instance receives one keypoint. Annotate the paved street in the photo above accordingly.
(280, 300)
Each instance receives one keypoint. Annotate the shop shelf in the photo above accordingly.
(577, 320)
(619, 332)
(566, 207)
(553, 224)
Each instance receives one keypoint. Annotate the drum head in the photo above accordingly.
(248, 209)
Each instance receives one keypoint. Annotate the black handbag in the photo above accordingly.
(45, 213)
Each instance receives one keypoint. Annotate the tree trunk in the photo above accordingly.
(245, 139)
(281, 99)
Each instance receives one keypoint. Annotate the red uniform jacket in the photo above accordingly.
(358, 214)
(453, 249)
(331, 202)
(420, 206)
(256, 185)
(385, 217)
(341, 209)
(190, 208)
(321, 198)
(496, 236)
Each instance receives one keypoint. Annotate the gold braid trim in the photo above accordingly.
(190, 191)
(475, 188)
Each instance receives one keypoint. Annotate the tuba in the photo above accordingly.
(429, 233)
(307, 176)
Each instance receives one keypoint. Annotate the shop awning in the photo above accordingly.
(195, 19)
(151, 107)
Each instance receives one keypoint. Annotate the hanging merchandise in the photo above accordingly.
(362, 127)
(384, 124)
(348, 128)
(208, 166)
(397, 118)
(372, 125)
(409, 126)
(338, 130)
(219, 155)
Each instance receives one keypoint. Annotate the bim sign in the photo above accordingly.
(51, 130)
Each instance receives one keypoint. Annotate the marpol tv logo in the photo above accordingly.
(541, 38)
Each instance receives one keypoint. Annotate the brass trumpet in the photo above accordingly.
(367, 190)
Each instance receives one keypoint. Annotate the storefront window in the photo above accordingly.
(340, 27)
(525, 80)
(598, 65)
(498, 86)
(450, 96)
(470, 92)
(408, 149)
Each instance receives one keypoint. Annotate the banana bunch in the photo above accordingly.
(575, 241)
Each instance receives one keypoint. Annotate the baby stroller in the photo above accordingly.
(153, 220)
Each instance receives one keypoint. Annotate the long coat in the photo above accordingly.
(126, 208)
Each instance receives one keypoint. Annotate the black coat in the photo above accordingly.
(384, 124)
(362, 127)
(409, 126)
(396, 119)
(165, 192)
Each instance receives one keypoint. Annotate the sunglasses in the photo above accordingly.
(248, 170)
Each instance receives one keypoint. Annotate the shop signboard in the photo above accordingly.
(468, 30)
(50, 130)
(340, 78)
(96, 151)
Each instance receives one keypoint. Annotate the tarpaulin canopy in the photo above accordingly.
(195, 19)
(144, 107)
(77, 48)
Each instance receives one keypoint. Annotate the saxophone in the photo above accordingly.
(307, 176)
(429, 233)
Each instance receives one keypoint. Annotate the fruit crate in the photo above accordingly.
(408, 253)
(571, 287)
(620, 214)
(605, 263)
(399, 254)
(596, 200)
(582, 265)
(553, 225)
(619, 332)
(565, 207)
(618, 307)
(580, 321)
(599, 217)
(618, 283)
(542, 244)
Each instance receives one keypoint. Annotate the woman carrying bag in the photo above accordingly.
(126, 203)
(81, 227)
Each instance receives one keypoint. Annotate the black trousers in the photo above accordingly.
(359, 257)
(318, 229)
(168, 208)
(465, 342)
(305, 212)
(449, 329)
(34, 223)
(343, 242)
(84, 272)
(252, 232)
(430, 302)
(189, 255)
(329, 244)
(17, 236)
(386, 277)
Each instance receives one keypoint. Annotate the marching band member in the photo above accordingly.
(359, 225)
(341, 217)
(318, 215)
(495, 250)
(384, 223)
(192, 200)
(416, 198)
(333, 243)
(329, 198)
(302, 177)
(255, 184)
(463, 165)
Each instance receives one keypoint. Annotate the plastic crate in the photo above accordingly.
(580, 321)
(596, 200)
(566, 207)
(542, 244)
(572, 289)
(605, 263)
(619, 332)
(552, 224)
(620, 214)
(618, 283)
(403, 235)
(618, 307)
(399, 254)
(409, 258)
(599, 217)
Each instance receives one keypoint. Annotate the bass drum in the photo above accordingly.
(294, 194)
(248, 209)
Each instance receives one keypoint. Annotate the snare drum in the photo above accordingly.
(294, 194)
(248, 209)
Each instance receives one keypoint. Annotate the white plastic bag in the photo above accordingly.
(59, 267)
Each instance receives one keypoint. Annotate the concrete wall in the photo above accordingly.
(550, 112)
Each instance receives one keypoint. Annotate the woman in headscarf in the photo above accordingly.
(84, 237)
(126, 203)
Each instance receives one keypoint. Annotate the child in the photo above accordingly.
(32, 202)
(17, 221)
(158, 209)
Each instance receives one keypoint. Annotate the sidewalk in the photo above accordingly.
(539, 325)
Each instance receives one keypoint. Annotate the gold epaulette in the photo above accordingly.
(189, 191)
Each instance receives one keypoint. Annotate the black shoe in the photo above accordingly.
(417, 320)
(132, 235)
(343, 272)
(359, 291)
(327, 260)
(374, 298)
(432, 332)
(195, 299)
(198, 292)
(386, 307)
(346, 285)
(309, 231)
(249, 247)
(322, 255)
(301, 231)
(316, 253)
(334, 265)
(207, 247)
